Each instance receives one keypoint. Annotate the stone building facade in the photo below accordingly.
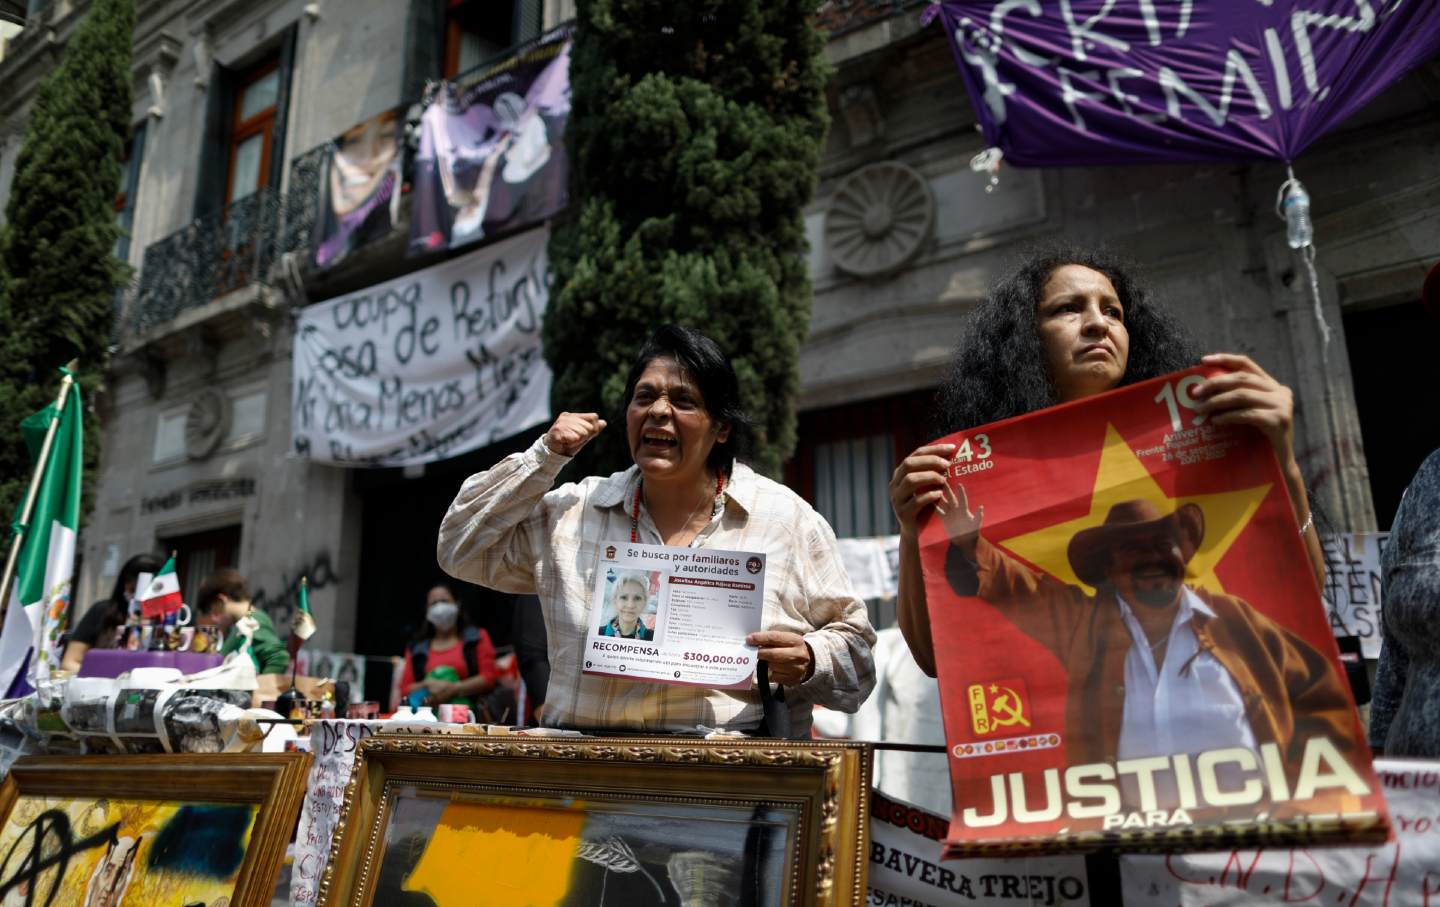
(904, 240)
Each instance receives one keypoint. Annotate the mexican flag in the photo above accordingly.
(302, 627)
(40, 597)
(162, 596)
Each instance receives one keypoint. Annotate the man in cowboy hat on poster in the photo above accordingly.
(1154, 666)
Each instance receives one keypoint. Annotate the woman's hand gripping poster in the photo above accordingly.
(1131, 644)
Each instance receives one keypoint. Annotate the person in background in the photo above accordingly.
(449, 661)
(1069, 324)
(100, 627)
(224, 599)
(1405, 712)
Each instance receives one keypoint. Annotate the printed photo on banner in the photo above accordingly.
(1142, 658)
(492, 155)
(359, 187)
(676, 615)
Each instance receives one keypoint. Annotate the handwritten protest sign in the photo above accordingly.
(1403, 872)
(334, 745)
(1084, 82)
(1352, 585)
(428, 366)
(905, 867)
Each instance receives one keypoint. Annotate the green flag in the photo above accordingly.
(302, 627)
(46, 566)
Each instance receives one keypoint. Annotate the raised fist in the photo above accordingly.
(573, 431)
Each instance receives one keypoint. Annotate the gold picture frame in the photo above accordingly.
(183, 829)
(554, 820)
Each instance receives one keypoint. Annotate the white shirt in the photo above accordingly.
(510, 530)
(905, 707)
(1188, 704)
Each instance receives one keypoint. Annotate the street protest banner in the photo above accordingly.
(906, 868)
(1401, 873)
(1093, 82)
(1352, 585)
(492, 155)
(1137, 653)
(359, 187)
(428, 366)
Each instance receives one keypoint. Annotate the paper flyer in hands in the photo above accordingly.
(675, 615)
(1132, 648)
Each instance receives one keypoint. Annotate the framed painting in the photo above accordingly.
(439, 821)
(112, 831)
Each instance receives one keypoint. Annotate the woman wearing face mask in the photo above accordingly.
(449, 661)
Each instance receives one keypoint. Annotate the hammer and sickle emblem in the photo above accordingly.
(1007, 704)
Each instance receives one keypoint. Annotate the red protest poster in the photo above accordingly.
(1132, 648)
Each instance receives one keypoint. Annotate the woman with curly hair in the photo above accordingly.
(1068, 324)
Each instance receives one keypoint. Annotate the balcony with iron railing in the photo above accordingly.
(231, 249)
(239, 246)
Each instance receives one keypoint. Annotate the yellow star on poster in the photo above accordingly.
(1122, 477)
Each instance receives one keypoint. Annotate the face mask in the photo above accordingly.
(443, 615)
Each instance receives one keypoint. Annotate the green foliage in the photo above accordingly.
(58, 276)
(696, 135)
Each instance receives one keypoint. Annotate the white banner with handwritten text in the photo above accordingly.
(1404, 872)
(431, 365)
(1352, 585)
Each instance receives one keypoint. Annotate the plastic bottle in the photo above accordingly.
(425, 713)
(1295, 205)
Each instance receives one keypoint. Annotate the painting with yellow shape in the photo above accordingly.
(121, 853)
(507, 851)
(525, 855)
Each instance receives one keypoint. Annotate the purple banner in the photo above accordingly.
(492, 155)
(1086, 82)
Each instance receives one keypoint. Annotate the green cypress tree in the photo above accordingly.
(696, 134)
(58, 273)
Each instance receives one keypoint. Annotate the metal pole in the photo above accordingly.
(39, 474)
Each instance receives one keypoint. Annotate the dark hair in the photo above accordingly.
(443, 584)
(999, 369)
(426, 630)
(226, 581)
(118, 604)
(710, 369)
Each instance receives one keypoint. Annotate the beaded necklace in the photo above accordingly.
(635, 507)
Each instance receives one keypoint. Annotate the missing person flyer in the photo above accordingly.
(676, 615)
(1132, 648)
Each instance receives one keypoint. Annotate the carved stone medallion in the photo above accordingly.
(207, 423)
(879, 219)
